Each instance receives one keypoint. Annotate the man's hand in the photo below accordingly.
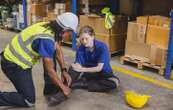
(66, 90)
(48, 64)
(66, 77)
(77, 67)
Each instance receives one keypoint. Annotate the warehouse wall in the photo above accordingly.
(126, 7)
(146, 7)
(161, 7)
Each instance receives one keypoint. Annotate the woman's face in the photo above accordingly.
(86, 40)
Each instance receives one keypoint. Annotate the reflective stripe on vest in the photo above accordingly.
(28, 41)
(12, 50)
(23, 45)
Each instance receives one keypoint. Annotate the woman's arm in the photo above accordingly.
(77, 67)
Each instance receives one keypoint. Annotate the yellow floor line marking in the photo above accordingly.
(140, 76)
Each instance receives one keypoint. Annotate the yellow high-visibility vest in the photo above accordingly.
(20, 52)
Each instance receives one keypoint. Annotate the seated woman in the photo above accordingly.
(92, 70)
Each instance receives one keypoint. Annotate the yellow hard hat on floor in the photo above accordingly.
(136, 100)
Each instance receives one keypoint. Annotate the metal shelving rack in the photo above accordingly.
(24, 3)
(74, 35)
(170, 50)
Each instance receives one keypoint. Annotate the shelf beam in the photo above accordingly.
(74, 3)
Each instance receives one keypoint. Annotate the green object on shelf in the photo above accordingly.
(106, 10)
(109, 18)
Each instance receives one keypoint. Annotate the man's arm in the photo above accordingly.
(60, 59)
(77, 67)
(48, 64)
(59, 55)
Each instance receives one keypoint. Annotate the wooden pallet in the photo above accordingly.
(141, 64)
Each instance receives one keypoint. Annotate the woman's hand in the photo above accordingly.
(77, 67)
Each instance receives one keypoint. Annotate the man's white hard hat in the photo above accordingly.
(68, 21)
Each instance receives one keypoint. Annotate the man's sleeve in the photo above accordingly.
(44, 47)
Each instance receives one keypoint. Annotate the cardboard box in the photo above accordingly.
(36, 19)
(136, 32)
(142, 19)
(150, 53)
(98, 23)
(158, 36)
(60, 6)
(154, 20)
(93, 2)
(51, 16)
(38, 9)
(139, 50)
(85, 20)
(114, 43)
(158, 55)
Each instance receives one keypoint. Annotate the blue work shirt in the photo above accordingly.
(45, 47)
(100, 54)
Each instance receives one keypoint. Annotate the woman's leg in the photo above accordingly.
(102, 83)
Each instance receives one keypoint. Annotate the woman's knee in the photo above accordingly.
(115, 81)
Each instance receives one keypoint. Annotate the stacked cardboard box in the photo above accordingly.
(158, 36)
(114, 37)
(157, 30)
(59, 8)
(154, 20)
(54, 12)
(38, 11)
(148, 42)
(50, 16)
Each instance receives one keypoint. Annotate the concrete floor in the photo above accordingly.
(162, 98)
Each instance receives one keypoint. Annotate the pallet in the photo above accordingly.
(142, 63)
